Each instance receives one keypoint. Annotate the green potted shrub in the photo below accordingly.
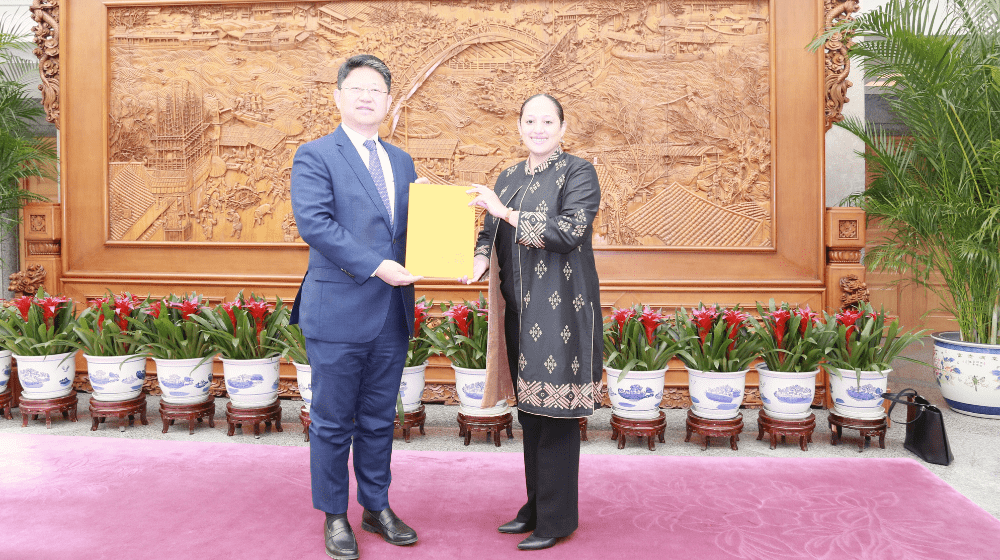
(38, 331)
(637, 346)
(935, 194)
(864, 345)
(293, 348)
(411, 386)
(115, 366)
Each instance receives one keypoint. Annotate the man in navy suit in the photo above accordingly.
(350, 193)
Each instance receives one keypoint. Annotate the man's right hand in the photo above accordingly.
(394, 274)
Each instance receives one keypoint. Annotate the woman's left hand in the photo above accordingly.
(486, 198)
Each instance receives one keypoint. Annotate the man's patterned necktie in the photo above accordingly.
(375, 168)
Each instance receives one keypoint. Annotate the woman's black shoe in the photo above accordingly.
(537, 543)
(516, 527)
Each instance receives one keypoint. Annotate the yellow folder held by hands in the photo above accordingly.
(441, 231)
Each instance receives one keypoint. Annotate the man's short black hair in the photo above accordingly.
(359, 60)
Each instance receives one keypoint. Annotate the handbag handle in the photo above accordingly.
(900, 398)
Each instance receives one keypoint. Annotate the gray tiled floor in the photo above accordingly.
(975, 441)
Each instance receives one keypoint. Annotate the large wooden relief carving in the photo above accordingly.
(671, 100)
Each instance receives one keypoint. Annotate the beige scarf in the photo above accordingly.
(498, 382)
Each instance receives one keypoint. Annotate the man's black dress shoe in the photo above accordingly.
(516, 527)
(536, 543)
(340, 541)
(392, 528)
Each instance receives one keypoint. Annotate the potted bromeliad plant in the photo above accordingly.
(38, 331)
(411, 387)
(461, 337)
(793, 342)
(717, 347)
(934, 193)
(859, 362)
(115, 366)
(246, 332)
(638, 343)
(179, 347)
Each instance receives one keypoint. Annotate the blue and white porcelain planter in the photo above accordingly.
(411, 387)
(184, 381)
(968, 374)
(251, 383)
(46, 377)
(638, 396)
(858, 394)
(303, 378)
(787, 395)
(116, 378)
(716, 395)
(470, 384)
(5, 370)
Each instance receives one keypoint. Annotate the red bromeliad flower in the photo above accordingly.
(650, 320)
(704, 318)
(807, 316)
(23, 304)
(228, 307)
(154, 309)
(50, 306)
(419, 316)
(125, 304)
(848, 318)
(621, 316)
(780, 318)
(190, 307)
(734, 320)
(258, 310)
(460, 314)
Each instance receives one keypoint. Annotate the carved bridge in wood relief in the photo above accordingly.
(671, 100)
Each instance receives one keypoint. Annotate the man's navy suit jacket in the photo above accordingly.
(340, 215)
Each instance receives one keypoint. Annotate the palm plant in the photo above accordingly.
(935, 194)
(23, 153)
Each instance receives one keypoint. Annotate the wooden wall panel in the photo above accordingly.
(786, 261)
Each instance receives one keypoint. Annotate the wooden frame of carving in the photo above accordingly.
(792, 269)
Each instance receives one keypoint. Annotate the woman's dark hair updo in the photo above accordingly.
(559, 108)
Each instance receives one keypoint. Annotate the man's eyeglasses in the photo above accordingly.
(357, 91)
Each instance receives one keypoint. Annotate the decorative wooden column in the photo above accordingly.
(845, 275)
(43, 244)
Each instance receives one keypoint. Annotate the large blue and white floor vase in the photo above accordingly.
(116, 378)
(638, 396)
(251, 383)
(411, 387)
(469, 384)
(184, 381)
(303, 378)
(5, 361)
(858, 394)
(787, 395)
(46, 377)
(968, 374)
(716, 395)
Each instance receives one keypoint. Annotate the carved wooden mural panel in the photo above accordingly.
(671, 99)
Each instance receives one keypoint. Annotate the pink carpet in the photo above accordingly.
(104, 498)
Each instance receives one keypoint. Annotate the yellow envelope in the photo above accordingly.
(441, 231)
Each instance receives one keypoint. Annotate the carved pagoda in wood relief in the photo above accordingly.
(669, 98)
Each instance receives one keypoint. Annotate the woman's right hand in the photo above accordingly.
(479, 266)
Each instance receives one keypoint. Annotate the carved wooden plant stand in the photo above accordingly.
(306, 420)
(6, 398)
(190, 412)
(774, 427)
(239, 417)
(413, 419)
(868, 428)
(32, 407)
(710, 428)
(583, 429)
(654, 427)
(489, 424)
(102, 410)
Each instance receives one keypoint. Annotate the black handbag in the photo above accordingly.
(925, 435)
